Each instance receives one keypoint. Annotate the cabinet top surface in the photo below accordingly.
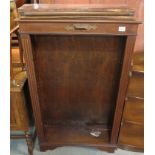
(74, 12)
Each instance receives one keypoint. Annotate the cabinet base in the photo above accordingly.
(108, 148)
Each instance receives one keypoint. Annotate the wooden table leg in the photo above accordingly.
(29, 143)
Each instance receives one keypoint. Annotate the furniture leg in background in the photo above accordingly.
(20, 119)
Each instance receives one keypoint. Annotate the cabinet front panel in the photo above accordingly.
(77, 77)
(71, 28)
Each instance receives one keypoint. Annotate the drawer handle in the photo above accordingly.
(81, 27)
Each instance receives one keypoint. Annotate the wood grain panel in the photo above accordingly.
(60, 28)
(134, 110)
(138, 62)
(132, 129)
(19, 117)
(132, 136)
(18, 109)
(122, 88)
(26, 43)
(81, 135)
(76, 88)
(136, 85)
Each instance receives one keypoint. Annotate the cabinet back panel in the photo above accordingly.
(77, 77)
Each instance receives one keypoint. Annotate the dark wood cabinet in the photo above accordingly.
(78, 59)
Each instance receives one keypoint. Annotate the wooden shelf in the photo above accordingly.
(57, 136)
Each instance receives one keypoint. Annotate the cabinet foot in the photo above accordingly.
(29, 143)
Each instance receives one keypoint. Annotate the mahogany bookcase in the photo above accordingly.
(78, 60)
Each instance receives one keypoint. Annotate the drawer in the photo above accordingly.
(134, 110)
(132, 135)
(136, 85)
(77, 28)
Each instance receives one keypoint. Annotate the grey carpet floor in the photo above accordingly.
(19, 147)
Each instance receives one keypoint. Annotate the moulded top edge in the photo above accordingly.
(59, 9)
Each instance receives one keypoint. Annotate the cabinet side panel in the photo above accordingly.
(122, 88)
(27, 47)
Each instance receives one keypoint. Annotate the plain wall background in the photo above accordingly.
(138, 5)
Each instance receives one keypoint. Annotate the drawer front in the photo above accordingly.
(78, 28)
(134, 110)
(132, 136)
(136, 85)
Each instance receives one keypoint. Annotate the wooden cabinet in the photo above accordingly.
(78, 62)
(132, 129)
(20, 108)
(18, 104)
